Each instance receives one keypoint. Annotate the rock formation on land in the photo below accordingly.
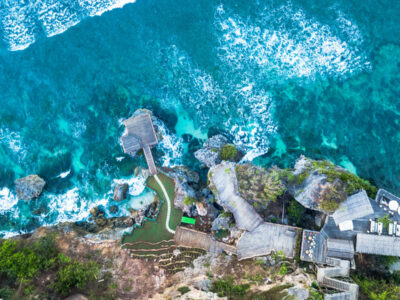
(29, 187)
(322, 186)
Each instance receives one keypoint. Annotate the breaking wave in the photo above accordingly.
(287, 43)
(22, 21)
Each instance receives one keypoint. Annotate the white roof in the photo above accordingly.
(346, 225)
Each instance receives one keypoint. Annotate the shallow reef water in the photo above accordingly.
(280, 78)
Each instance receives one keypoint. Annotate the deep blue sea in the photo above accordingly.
(281, 78)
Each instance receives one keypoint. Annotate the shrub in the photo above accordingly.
(295, 212)
(377, 289)
(183, 290)
(220, 234)
(189, 200)
(21, 261)
(385, 220)
(228, 152)
(227, 288)
(283, 270)
(73, 274)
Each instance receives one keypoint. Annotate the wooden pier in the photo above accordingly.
(140, 135)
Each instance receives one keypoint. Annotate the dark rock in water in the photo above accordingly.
(101, 221)
(187, 137)
(113, 209)
(194, 145)
(129, 222)
(120, 191)
(94, 211)
(29, 187)
(41, 210)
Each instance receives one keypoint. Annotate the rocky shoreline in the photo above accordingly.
(273, 193)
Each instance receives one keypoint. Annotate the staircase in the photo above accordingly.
(338, 268)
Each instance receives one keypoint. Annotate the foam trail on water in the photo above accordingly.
(287, 43)
(7, 199)
(22, 21)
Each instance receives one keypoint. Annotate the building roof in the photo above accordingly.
(266, 238)
(313, 246)
(340, 248)
(354, 207)
(378, 244)
(140, 133)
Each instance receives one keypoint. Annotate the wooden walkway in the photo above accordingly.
(196, 239)
(150, 160)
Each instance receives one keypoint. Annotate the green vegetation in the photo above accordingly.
(228, 152)
(299, 179)
(331, 199)
(283, 270)
(352, 182)
(225, 287)
(73, 274)
(295, 212)
(220, 234)
(183, 290)
(189, 200)
(258, 184)
(376, 289)
(22, 263)
(386, 221)
(278, 256)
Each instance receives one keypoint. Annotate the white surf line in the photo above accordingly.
(168, 204)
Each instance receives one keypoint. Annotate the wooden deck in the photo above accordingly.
(196, 239)
(140, 135)
(150, 160)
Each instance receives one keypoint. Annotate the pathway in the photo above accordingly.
(168, 204)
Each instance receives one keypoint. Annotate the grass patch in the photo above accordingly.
(225, 287)
(154, 231)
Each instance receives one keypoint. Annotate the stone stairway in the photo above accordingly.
(326, 277)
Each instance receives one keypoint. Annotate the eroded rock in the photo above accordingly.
(29, 187)
(120, 191)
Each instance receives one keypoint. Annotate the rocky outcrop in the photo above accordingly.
(322, 186)
(217, 149)
(149, 212)
(186, 187)
(29, 187)
(120, 191)
(209, 154)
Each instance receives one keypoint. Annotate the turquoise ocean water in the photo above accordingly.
(281, 78)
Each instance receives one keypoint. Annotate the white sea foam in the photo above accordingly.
(7, 199)
(136, 184)
(21, 21)
(13, 141)
(287, 43)
(245, 107)
(64, 174)
(170, 144)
